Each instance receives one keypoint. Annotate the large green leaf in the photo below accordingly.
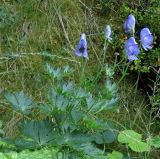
(127, 135)
(19, 101)
(90, 150)
(139, 146)
(107, 136)
(115, 155)
(133, 140)
(2, 156)
(154, 141)
(38, 154)
(42, 132)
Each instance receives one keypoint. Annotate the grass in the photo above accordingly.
(36, 32)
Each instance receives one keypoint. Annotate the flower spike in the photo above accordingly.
(108, 33)
(81, 49)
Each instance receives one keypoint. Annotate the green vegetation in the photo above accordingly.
(56, 105)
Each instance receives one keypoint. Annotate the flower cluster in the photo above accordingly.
(131, 47)
(81, 49)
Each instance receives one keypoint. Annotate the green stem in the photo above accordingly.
(84, 63)
(105, 48)
(124, 73)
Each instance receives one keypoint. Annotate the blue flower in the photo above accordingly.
(81, 49)
(146, 39)
(132, 58)
(129, 24)
(131, 49)
(108, 33)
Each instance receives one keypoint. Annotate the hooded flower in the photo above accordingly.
(81, 49)
(131, 49)
(129, 24)
(146, 39)
(108, 33)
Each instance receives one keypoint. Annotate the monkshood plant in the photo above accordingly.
(131, 46)
(69, 117)
(132, 50)
(68, 125)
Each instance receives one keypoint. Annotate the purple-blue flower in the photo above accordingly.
(108, 33)
(81, 49)
(129, 24)
(131, 49)
(146, 39)
(132, 58)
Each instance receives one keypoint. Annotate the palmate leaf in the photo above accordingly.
(80, 93)
(90, 101)
(42, 132)
(26, 143)
(96, 125)
(111, 87)
(57, 101)
(54, 73)
(76, 114)
(61, 102)
(97, 106)
(19, 101)
(59, 73)
(107, 136)
(133, 140)
(92, 151)
(68, 87)
(111, 104)
(47, 109)
(103, 105)
(73, 139)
